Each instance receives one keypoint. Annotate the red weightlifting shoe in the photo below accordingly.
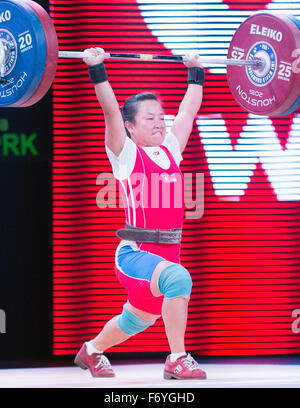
(184, 368)
(97, 363)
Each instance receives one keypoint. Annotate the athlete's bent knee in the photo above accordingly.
(175, 281)
(130, 323)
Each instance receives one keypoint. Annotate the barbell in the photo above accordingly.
(263, 59)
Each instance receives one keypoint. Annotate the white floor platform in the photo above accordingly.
(137, 375)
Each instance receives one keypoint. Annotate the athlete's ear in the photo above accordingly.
(129, 126)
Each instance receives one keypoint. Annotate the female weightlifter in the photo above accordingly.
(147, 260)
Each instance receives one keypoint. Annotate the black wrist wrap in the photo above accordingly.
(97, 73)
(196, 75)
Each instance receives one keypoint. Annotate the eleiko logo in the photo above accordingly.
(5, 16)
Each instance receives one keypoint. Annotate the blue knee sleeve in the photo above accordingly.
(130, 323)
(175, 281)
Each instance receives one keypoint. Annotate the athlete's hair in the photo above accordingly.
(130, 107)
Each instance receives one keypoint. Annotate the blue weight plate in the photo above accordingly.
(22, 31)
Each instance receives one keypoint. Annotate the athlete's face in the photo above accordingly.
(149, 128)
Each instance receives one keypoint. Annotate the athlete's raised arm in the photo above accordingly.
(115, 133)
(190, 105)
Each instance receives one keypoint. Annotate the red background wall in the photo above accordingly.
(243, 253)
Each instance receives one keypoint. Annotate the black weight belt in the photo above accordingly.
(130, 233)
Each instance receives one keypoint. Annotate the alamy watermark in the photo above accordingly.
(296, 322)
(161, 191)
(2, 322)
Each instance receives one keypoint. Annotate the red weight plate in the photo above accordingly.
(273, 89)
(52, 54)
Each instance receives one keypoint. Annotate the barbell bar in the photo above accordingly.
(146, 57)
(164, 58)
(263, 60)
